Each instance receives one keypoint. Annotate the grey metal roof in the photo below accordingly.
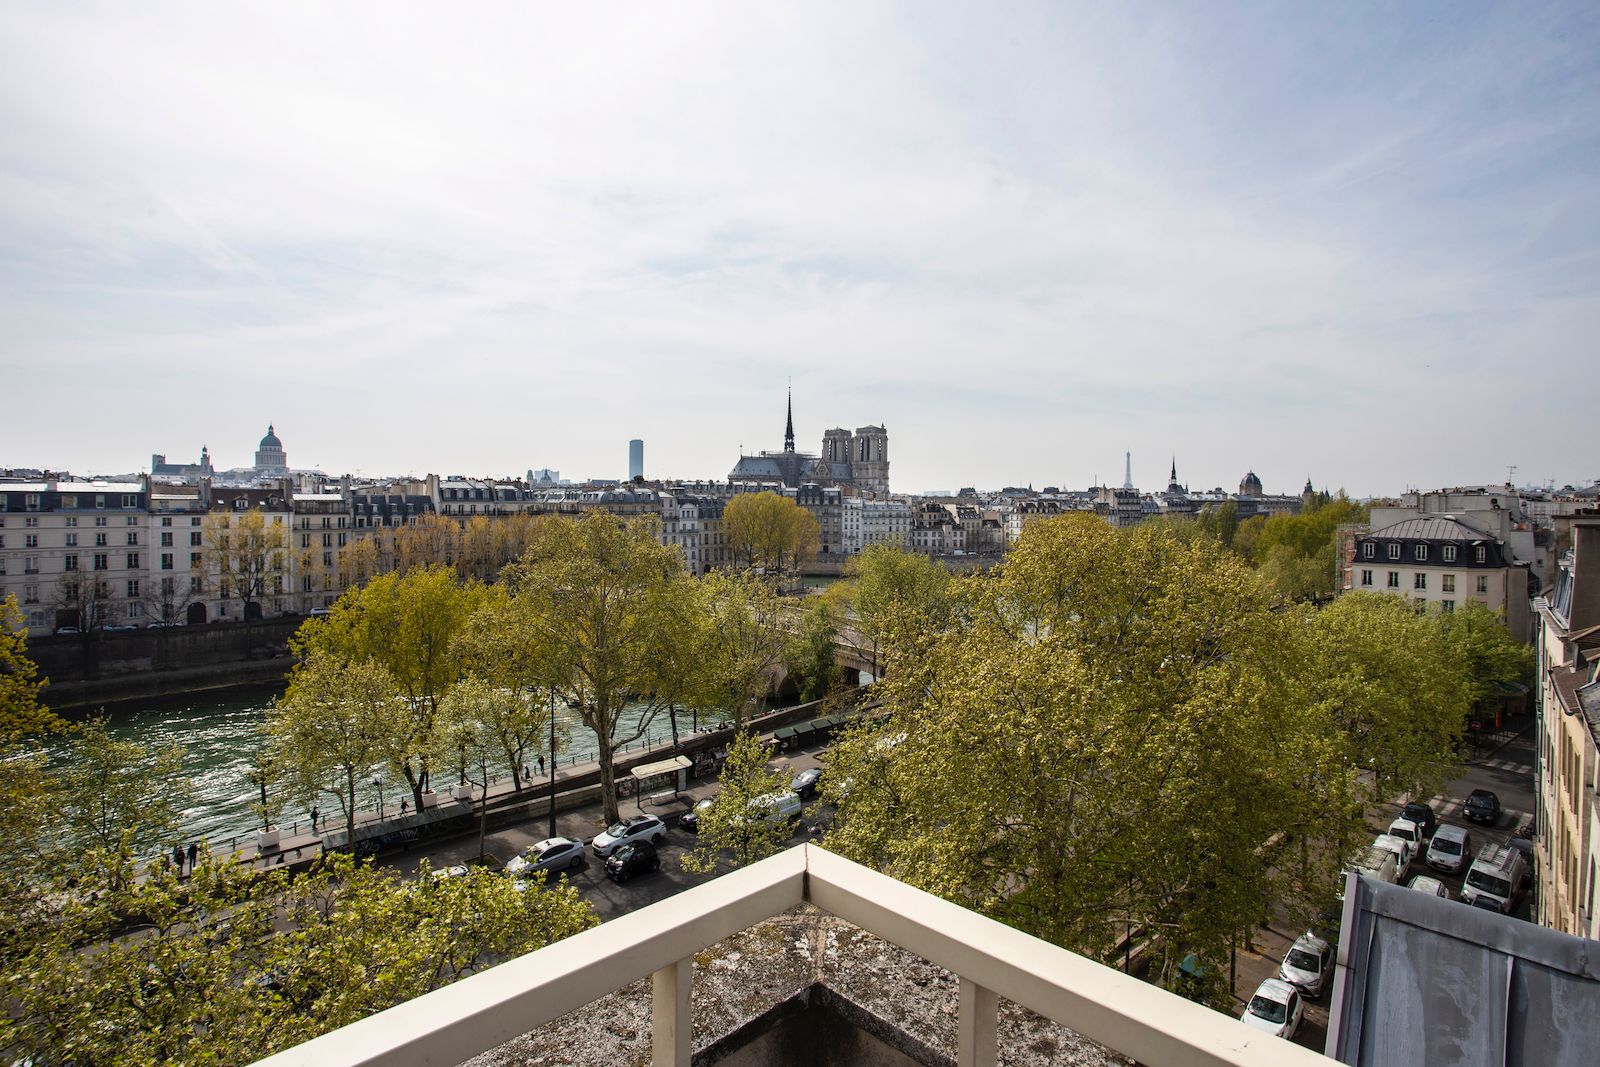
(1422, 980)
(1432, 528)
(763, 466)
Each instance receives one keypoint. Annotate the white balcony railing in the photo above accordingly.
(484, 1011)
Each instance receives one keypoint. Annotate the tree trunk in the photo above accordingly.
(414, 780)
(350, 810)
(672, 715)
(608, 780)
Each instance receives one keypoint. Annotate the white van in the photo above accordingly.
(1451, 849)
(1379, 863)
(775, 808)
(1497, 876)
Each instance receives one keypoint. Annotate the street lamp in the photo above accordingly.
(552, 710)
(378, 785)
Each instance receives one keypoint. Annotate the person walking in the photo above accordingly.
(314, 814)
(194, 854)
(541, 766)
(404, 804)
(177, 859)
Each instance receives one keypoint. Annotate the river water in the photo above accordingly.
(218, 732)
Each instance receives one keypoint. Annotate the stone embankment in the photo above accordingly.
(88, 671)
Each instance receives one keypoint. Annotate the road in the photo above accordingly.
(1506, 770)
(609, 898)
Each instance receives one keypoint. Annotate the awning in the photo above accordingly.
(666, 766)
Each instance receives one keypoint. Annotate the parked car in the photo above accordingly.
(119, 627)
(690, 820)
(1276, 1008)
(1308, 964)
(1498, 874)
(1482, 806)
(67, 631)
(1451, 849)
(639, 828)
(775, 808)
(1523, 845)
(805, 783)
(631, 858)
(1421, 814)
(1403, 852)
(445, 874)
(1404, 827)
(1426, 883)
(551, 854)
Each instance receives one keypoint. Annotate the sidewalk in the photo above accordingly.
(298, 845)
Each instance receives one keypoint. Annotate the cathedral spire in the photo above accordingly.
(788, 430)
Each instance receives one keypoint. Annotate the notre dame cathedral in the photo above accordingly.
(858, 462)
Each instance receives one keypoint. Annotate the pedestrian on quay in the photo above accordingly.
(194, 854)
(541, 766)
(404, 804)
(177, 859)
(314, 815)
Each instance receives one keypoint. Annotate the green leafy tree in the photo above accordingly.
(26, 814)
(739, 828)
(1384, 682)
(233, 965)
(608, 612)
(811, 653)
(408, 624)
(337, 721)
(498, 649)
(1489, 654)
(741, 643)
(482, 726)
(21, 714)
(117, 797)
(771, 532)
(1103, 740)
(897, 596)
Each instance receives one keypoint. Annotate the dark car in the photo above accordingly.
(690, 820)
(1482, 806)
(1422, 815)
(805, 783)
(635, 857)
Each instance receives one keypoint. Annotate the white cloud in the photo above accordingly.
(507, 236)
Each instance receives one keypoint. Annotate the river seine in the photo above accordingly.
(218, 732)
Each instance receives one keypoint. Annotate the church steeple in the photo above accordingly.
(788, 429)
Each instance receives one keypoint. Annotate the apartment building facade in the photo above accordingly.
(1569, 738)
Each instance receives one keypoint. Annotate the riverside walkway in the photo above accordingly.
(575, 785)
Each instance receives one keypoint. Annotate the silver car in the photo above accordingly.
(551, 854)
(1451, 848)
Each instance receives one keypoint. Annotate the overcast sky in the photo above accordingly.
(1359, 244)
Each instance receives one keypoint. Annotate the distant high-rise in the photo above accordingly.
(635, 459)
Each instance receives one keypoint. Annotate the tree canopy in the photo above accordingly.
(1120, 730)
(737, 828)
(612, 616)
(409, 625)
(771, 532)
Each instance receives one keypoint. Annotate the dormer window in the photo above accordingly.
(1394, 550)
(1366, 550)
(1481, 553)
(1421, 552)
(1449, 553)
